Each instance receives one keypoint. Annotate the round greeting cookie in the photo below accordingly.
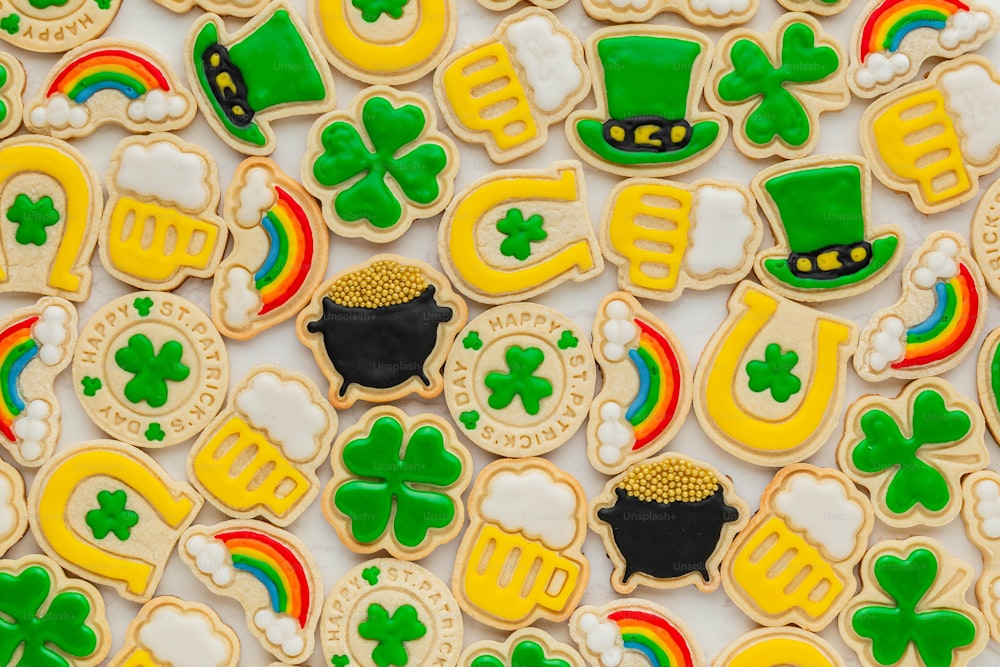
(667, 523)
(170, 632)
(381, 348)
(520, 559)
(397, 484)
(984, 237)
(13, 508)
(55, 621)
(111, 514)
(520, 379)
(269, 572)
(151, 369)
(794, 563)
(387, 612)
(646, 393)
(778, 647)
(259, 457)
(935, 322)
(12, 83)
(981, 516)
(524, 648)
(280, 251)
(54, 27)
(912, 611)
(988, 381)
(236, 8)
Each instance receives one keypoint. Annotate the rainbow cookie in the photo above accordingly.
(107, 81)
(777, 647)
(892, 38)
(516, 234)
(988, 381)
(646, 392)
(45, 27)
(794, 563)
(111, 514)
(36, 344)
(529, 646)
(984, 236)
(634, 632)
(397, 484)
(269, 572)
(981, 516)
(280, 251)
(935, 322)
(259, 457)
(13, 509)
(387, 612)
(170, 632)
(912, 451)
(12, 82)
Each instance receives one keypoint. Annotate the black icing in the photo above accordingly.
(235, 104)
(848, 266)
(663, 134)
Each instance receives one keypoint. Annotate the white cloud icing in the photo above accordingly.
(286, 413)
(963, 28)
(240, 299)
(614, 433)
(880, 69)
(888, 343)
(603, 639)
(177, 637)
(534, 504)
(281, 631)
(164, 172)
(32, 427)
(212, 558)
(987, 494)
(973, 100)
(619, 329)
(156, 106)
(821, 510)
(51, 331)
(721, 229)
(637, 5)
(721, 7)
(546, 56)
(255, 197)
(937, 263)
(59, 112)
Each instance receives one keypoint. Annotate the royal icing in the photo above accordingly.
(45, 27)
(715, 13)
(981, 515)
(633, 631)
(822, 512)
(766, 647)
(171, 631)
(12, 82)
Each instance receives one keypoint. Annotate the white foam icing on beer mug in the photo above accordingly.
(720, 231)
(546, 57)
(285, 412)
(822, 512)
(532, 503)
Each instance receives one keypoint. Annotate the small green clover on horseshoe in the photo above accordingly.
(774, 373)
(111, 516)
(520, 233)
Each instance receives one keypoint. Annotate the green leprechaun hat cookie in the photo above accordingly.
(818, 209)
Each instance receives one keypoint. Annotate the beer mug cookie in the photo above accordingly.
(912, 451)
(54, 27)
(386, 612)
(981, 516)
(397, 484)
(533, 512)
(666, 237)
(269, 572)
(110, 81)
(13, 508)
(775, 647)
(160, 224)
(111, 514)
(794, 563)
(530, 58)
(12, 82)
(151, 369)
(938, 317)
(697, 12)
(988, 381)
(520, 379)
(259, 456)
(529, 646)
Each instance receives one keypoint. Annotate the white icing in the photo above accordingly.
(183, 638)
(603, 639)
(973, 98)
(619, 330)
(720, 7)
(880, 69)
(963, 28)
(720, 231)
(937, 263)
(157, 106)
(212, 558)
(50, 332)
(638, 5)
(58, 112)
(888, 343)
(240, 299)
(614, 433)
(280, 630)
(546, 56)
(987, 493)
(285, 412)
(255, 197)
(822, 512)
(164, 172)
(534, 504)
(8, 512)
(32, 427)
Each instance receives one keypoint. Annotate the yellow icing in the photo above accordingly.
(781, 651)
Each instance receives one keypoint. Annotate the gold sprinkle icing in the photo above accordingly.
(384, 283)
(669, 481)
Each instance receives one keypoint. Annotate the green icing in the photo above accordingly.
(469, 419)
(151, 370)
(774, 373)
(391, 633)
(472, 341)
(520, 233)
(111, 516)
(154, 432)
(884, 446)
(371, 575)
(31, 218)
(935, 634)
(391, 481)
(91, 385)
(340, 661)
(779, 112)
(11, 24)
(371, 10)
(527, 653)
(391, 131)
(45, 4)
(567, 341)
(519, 381)
(143, 305)
(3, 82)
(995, 378)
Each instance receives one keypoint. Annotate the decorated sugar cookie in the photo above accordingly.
(111, 514)
(269, 572)
(170, 632)
(151, 369)
(984, 237)
(527, 647)
(107, 81)
(775, 647)
(816, 7)
(259, 456)
(12, 82)
(532, 59)
(934, 138)
(390, 139)
(648, 82)
(912, 451)
(633, 632)
(771, 382)
(397, 484)
(387, 612)
(54, 621)
(666, 237)
(503, 5)
(892, 38)
(520, 559)
(237, 8)
(774, 86)
(520, 379)
(383, 348)
(698, 12)
(646, 392)
(516, 234)
(937, 319)
(240, 93)
(911, 609)
(13, 509)
(794, 563)
(54, 27)
(819, 210)
(280, 251)
(988, 381)
(981, 516)
(50, 210)
(667, 523)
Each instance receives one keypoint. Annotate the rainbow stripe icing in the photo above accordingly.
(290, 252)
(950, 325)
(654, 636)
(893, 20)
(108, 69)
(17, 349)
(655, 404)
